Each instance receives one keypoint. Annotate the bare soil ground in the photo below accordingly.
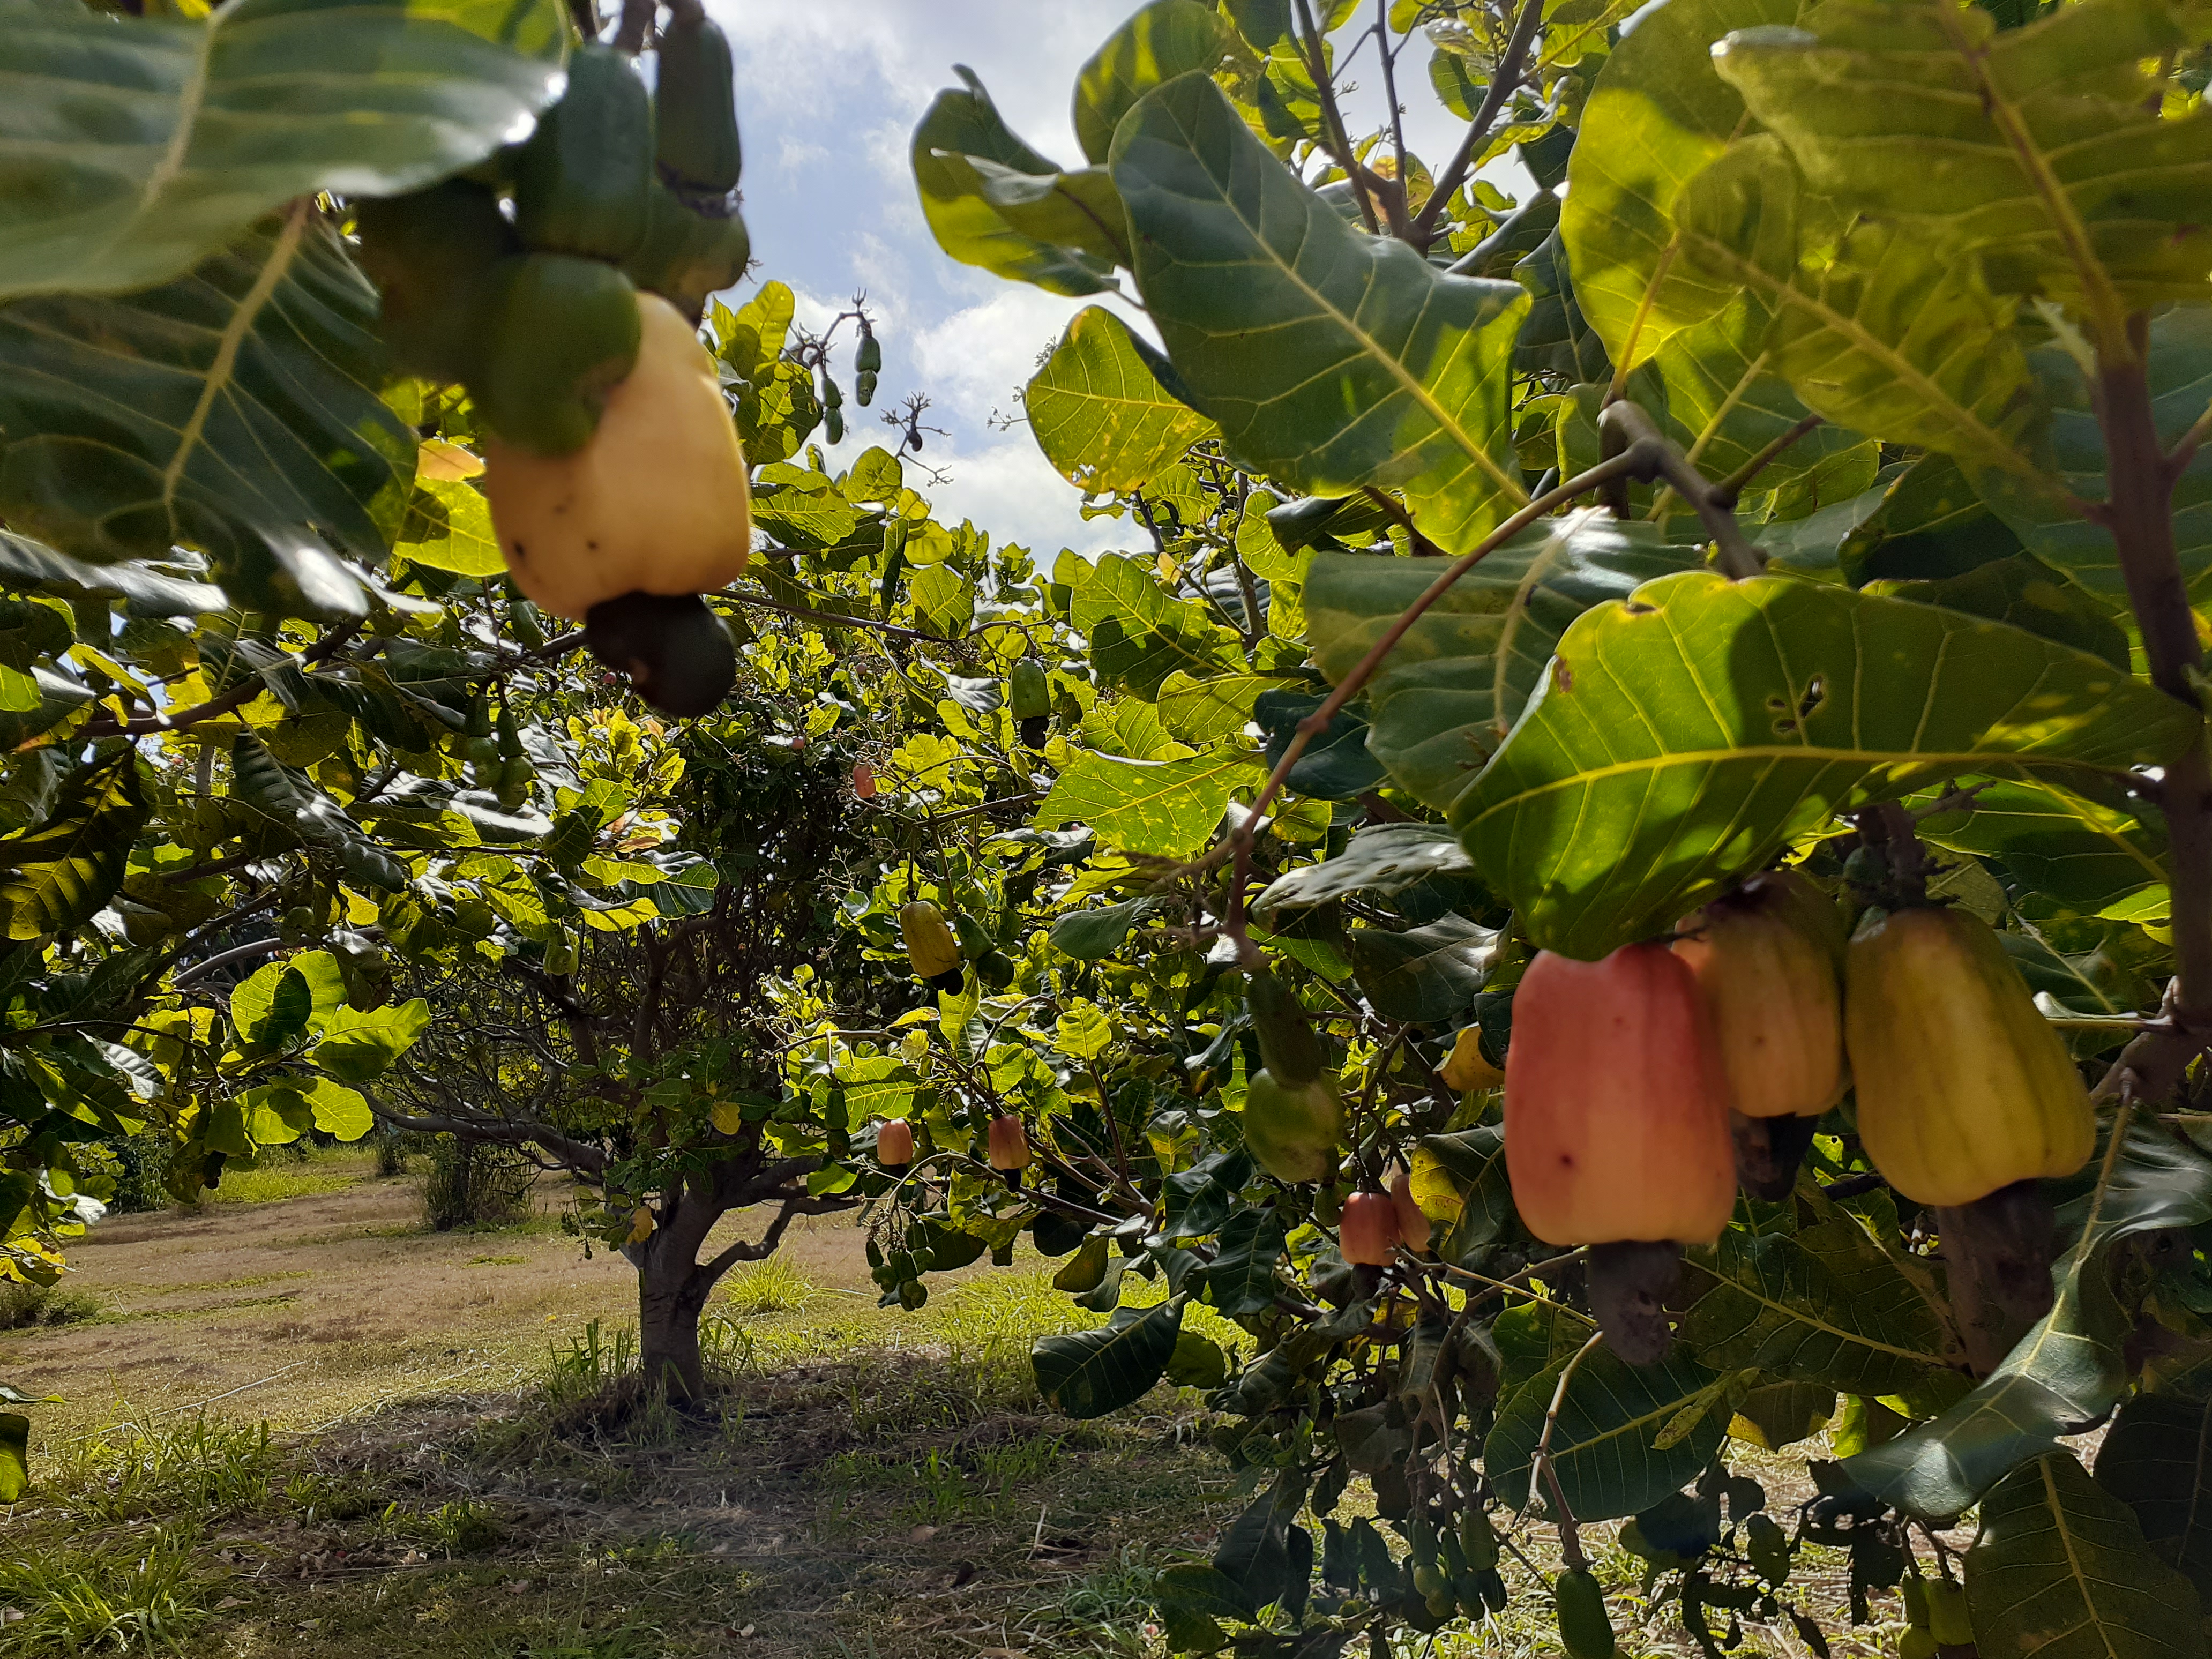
(453, 1460)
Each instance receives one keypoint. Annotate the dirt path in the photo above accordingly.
(308, 1308)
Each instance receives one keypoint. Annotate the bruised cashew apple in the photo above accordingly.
(657, 501)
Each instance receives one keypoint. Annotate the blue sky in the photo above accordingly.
(828, 92)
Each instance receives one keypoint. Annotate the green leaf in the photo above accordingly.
(2090, 851)
(1083, 1031)
(1164, 809)
(30, 567)
(2068, 1370)
(359, 1045)
(1555, 338)
(1472, 1162)
(2060, 172)
(801, 508)
(1603, 1448)
(1452, 687)
(1386, 859)
(1425, 975)
(1886, 337)
(138, 146)
(340, 1113)
(1240, 1280)
(1656, 116)
(14, 1456)
(2028, 594)
(60, 872)
(1162, 40)
(293, 804)
(1332, 360)
(448, 527)
(1093, 1372)
(1139, 634)
(987, 194)
(1683, 738)
(1099, 409)
(1205, 711)
(2155, 1459)
(1094, 935)
(2060, 1570)
(1824, 1306)
(231, 409)
(2179, 365)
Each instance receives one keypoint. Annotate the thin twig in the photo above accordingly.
(1315, 49)
(1563, 1518)
(1624, 424)
(1730, 491)
(1503, 86)
(215, 708)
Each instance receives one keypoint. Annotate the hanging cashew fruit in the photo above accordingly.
(695, 144)
(1963, 1086)
(1767, 958)
(1029, 694)
(657, 502)
(560, 333)
(1412, 1221)
(1369, 1229)
(895, 1144)
(673, 648)
(1584, 1630)
(1010, 1144)
(1949, 1620)
(427, 252)
(1293, 1121)
(1616, 1128)
(688, 253)
(930, 946)
(867, 363)
(1615, 1116)
(581, 178)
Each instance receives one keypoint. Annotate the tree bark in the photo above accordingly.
(672, 1294)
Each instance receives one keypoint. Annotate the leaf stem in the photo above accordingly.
(1571, 1547)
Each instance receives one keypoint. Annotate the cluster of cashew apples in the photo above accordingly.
(1642, 1089)
(561, 283)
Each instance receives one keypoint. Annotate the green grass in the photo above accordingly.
(27, 1306)
(322, 1169)
(772, 1286)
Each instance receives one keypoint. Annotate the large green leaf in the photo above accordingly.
(1684, 738)
(291, 803)
(131, 149)
(1425, 975)
(1240, 1280)
(1452, 687)
(1605, 1447)
(1824, 1306)
(2179, 364)
(2058, 168)
(1099, 412)
(1331, 360)
(1164, 809)
(234, 409)
(1162, 40)
(57, 874)
(2090, 848)
(2060, 1570)
(1657, 114)
(1885, 336)
(448, 527)
(1139, 634)
(1386, 858)
(992, 201)
(30, 567)
(359, 1045)
(2068, 1370)
(2157, 1460)
(1093, 1372)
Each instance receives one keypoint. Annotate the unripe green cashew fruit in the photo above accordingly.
(1948, 1619)
(1963, 1085)
(1288, 1047)
(696, 143)
(580, 179)
(427, 252)
(1616, 1117)
(1772, 990)
(1584, 1630)
(930, 946)
(868, 359)
(657, 502)
(688, 253)
(560, 333)
(1294, 1130)
(1029, 694)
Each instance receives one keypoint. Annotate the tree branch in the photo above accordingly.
(573, 1154)
(1503, 86)
(1622, 424)
(215, 708)
(1315, 51)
